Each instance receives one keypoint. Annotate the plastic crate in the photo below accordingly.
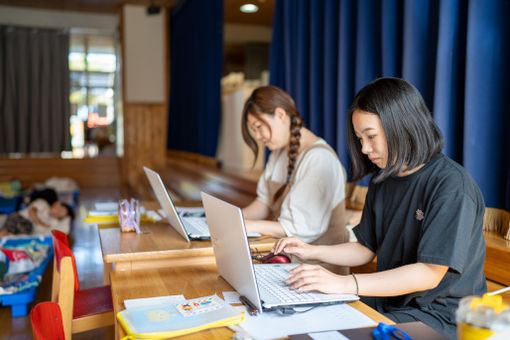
(8, 204)
(19, 301)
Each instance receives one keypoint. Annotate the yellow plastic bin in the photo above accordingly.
(484, 317)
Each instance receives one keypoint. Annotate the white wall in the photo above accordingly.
(144, 55)
(232, 150)
(57, 19)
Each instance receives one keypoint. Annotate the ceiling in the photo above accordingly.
(96, 6)
(232, 13)
(264, 16)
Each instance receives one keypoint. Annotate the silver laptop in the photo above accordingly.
(263, 285)
(189, 227)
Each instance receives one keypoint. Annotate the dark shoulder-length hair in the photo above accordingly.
(412, 135)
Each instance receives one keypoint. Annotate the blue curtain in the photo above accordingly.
(455, 52)
(196, 65)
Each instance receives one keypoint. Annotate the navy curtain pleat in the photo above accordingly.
(330, 53)
(455, 52)
(316, 59)
(391, 38)
(486, 116)
(196, 66)
(345, 76)
(367, 42)
(449, 77)
(299, 89)
(420, 37)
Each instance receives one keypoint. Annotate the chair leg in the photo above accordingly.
(66, 294)
(55, 282)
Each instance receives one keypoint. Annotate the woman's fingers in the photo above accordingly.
(301, 272)
(283, 243)
(305, 281)
(308, 278)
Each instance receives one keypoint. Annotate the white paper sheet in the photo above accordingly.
(152, 301)
(162, 212)
(106, 206)
(231, 297)
(153, 215)
(103, 212)
(330, 335)
(323, 318)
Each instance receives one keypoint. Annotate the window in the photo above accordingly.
(94, 95)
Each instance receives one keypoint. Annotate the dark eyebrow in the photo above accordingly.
(365, 129)
(368, 128)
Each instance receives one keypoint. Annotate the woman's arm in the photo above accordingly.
(256, 210)
(398, 281)
(345, 254)
(264, 227)
(32, 212)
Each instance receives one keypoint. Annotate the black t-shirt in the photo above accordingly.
(434, 215)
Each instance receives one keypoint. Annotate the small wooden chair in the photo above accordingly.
(84, 309)
(47, 324)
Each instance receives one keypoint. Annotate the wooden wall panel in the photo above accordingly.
(145, 127)
(87, 172)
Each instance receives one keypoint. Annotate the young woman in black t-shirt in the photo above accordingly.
(422, 217)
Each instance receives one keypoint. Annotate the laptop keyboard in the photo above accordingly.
(196, 225)
(272, 279)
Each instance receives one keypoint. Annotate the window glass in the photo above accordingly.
(101, 62)
(93, 68)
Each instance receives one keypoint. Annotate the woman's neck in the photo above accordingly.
(307, 139)
(409, 172)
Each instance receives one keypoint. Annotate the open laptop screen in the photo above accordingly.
(165, 201)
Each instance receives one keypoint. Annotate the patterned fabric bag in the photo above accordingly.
(17, 224)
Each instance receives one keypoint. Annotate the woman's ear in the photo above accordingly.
(280, 113)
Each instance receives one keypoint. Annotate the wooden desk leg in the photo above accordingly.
(115, 311)
(107, 269)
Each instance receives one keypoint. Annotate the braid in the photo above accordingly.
(296, 123)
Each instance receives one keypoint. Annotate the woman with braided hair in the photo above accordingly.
(303, 184)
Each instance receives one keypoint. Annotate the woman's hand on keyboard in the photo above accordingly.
(293, 246)
(310, 277)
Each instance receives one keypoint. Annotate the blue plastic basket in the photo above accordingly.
(19, 301)
(8, 204)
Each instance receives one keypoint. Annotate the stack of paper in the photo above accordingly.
(108, 213)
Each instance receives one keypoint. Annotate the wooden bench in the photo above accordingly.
(87, 172)
(496, 228)
(185, 177)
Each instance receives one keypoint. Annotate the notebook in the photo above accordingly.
(167, 320)
(262, 285)
(189, 227)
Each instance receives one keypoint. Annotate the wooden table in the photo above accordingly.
(192, 282)
(159, 245)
